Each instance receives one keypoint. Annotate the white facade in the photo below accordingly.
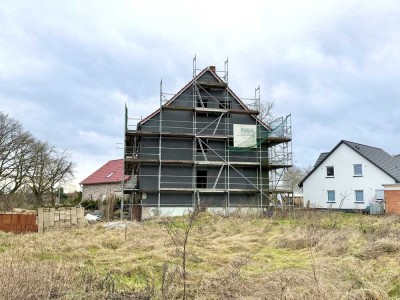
(344, 184)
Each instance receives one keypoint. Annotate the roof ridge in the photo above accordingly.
(391, 169)
(345, 141)
(395, 175)
(115, 159)
(200, 74)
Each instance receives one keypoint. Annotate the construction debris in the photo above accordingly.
(92, 218)
(119, 225)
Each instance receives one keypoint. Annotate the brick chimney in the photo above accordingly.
(212, 68)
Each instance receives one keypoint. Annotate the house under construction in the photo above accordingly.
(206, 146)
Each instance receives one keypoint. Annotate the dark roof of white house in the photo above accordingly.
(321, 157)
(380, 158)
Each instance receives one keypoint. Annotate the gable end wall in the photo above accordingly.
(315, 188)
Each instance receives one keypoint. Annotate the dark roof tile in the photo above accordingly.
(321, 157)
(381, 159)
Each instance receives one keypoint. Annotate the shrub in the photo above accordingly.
(90, 204)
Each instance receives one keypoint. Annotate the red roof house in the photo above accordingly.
(106, 181)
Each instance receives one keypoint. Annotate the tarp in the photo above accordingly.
(244, 136)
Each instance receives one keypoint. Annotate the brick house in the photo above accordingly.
(105, 181)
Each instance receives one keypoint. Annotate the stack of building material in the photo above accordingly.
(63, 217)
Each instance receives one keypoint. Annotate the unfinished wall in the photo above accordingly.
(193, 160)
(63, 217)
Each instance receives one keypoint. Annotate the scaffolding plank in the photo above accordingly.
(232, 111)
(207, 109)
(210, 109)
(157, 161)
(277, 166)
(215, 137)
(244, 111)
(210, 163)
(208, 84)
(183, 108)
(268, 191)
(191, 162)
(157, 134)
(173, 134)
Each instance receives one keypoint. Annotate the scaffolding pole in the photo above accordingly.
(257, 104)
(159, 149)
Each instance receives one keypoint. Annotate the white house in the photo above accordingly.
(349, 177)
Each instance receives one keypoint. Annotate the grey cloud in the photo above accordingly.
(67, 68)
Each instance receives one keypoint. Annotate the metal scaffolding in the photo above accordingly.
(212, 123)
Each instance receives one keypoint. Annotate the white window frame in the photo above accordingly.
(334, 196)
(333, 169)
(362, 194)
(354, 170)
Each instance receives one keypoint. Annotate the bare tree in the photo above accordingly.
(49, 167)
(265, 110)
(25, 160)
(293, 176)
(15, 149)
(180, 237)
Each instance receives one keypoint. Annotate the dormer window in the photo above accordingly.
(330, 171)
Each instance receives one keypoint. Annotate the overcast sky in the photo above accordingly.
(68, 67)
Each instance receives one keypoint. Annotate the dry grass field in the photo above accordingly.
(303, 255)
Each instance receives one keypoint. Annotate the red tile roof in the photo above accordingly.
(111, 172)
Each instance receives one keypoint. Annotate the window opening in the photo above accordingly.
(330, 171)
(201, 179)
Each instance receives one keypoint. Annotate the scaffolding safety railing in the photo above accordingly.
(272, 151)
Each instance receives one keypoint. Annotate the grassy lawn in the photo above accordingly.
(303, 255)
